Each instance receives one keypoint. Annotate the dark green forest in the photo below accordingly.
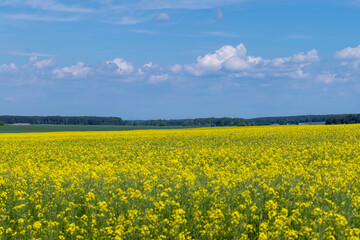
(344, 119)
(63, 120)
(89, 120)
(197, 122)
(290, 119)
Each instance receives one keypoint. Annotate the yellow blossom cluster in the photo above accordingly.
(271, 182)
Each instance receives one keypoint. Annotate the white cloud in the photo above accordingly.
(230, 62)
(236, 64)
(328, 78)
(348, 53)
(235, 59)
(278, 62)
(41, 64)
(298, 73)
(123, 67)
(78, 70)
(33, 72)
(177, 68)
(158, 78)
(351, 57)
(163, 17)
(310, 56)
(8, 67)
(226, 58)
(148, 65)
(33, 63)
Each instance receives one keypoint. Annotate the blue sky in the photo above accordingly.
(144, 59)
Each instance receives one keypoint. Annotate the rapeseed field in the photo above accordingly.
(273, 182)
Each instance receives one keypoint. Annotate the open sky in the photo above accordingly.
(151, 59)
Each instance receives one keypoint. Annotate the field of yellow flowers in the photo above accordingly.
(273, 182)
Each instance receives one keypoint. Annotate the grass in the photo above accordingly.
(74, 128)
(313, 123)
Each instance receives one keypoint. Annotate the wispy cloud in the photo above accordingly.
(163, 17)
(115, 12)
(219, 14)
(29, 54)
(185, 4)
(50, 5)
(295, 36)
(143, 31)
(133, 20)
(355, 2)
(222, 34)
(35, 17)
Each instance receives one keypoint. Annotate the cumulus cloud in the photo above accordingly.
(35, 71)
(158, 78)
(176, 68)
(148, 65)
(122, 66)
(298, 72)
(78, 71)
(33, 63)
(328, 78)
(348, 53)
(351, 57)
(309, 57)
(235, 59)
(230, 62)
(8, 67)
(226, 58)
(41, 64)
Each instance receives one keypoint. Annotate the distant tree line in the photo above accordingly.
(89, 120)
(344, 119)
(290, 119)
(73, 120)
(197, 122)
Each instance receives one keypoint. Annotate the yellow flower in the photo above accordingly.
(37, 225)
